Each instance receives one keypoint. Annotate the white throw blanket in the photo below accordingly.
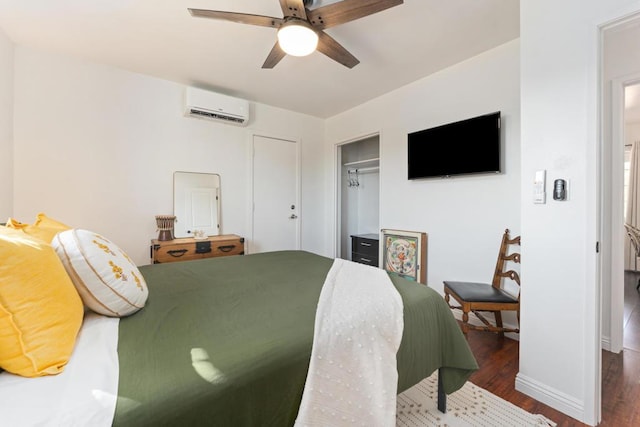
(353, 377)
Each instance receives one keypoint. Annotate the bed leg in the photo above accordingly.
(442, 397)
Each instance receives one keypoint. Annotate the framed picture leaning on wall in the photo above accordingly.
(405, 253)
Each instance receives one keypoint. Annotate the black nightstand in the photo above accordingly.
(364, 249)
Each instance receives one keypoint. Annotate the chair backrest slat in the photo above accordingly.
(503, 258)
(634, 236)
(513, 275)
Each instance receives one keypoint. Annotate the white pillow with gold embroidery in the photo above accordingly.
(107, 280)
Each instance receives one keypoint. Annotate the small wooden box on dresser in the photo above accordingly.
(188, 248)
(364, 248)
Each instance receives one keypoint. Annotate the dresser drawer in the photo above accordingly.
(364, 246)
(189, 249)
(364, 259)
(364, 249)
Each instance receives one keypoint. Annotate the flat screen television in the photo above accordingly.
(466, 147)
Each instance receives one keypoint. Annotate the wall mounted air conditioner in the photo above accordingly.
(214, 106)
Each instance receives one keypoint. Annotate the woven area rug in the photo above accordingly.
(469, 406)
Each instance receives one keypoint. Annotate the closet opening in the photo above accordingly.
(359, 200)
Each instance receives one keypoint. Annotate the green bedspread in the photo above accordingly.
(227, 341)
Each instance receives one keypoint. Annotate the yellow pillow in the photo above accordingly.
(40, 309)
(44, 228)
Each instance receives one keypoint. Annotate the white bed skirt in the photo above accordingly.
(83, 394)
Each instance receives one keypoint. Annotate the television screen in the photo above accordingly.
(464, 147)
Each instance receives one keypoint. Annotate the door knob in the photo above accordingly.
(293, 216)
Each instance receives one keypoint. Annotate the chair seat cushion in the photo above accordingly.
(479, 292)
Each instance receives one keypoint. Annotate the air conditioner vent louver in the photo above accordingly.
(217, 116)
(214, 106)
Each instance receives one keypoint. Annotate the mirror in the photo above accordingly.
(196, 204)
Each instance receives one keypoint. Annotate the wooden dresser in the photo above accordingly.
(364, 249)
(188, 248)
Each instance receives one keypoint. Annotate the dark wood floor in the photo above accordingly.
(498, 360)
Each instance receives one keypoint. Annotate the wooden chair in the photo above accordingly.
(484, 297)
(634, 237)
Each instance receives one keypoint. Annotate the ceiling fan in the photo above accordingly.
(300, 31)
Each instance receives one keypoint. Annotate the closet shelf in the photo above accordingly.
(362, 163)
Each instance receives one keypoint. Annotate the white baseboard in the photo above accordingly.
(477, 322)
(606, 343)
(551, 397)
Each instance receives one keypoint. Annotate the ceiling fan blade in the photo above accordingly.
(293, 8)
(347, 10)
(243, 18)
(335, 51)
(274, 57)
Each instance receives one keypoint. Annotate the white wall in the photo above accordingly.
(632, 130)
(560, 337)
(107, 142)
(6, 127)
(463, 216)
(360, 208)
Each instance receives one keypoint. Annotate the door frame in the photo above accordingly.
(337, 188)
(605, 222)
(250, 193)
(614, 210)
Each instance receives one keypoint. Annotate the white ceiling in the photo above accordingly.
(160, 38)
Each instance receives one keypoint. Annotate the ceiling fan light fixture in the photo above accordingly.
(297, 39)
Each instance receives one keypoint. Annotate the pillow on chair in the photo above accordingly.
(107, 280)
(40, 310)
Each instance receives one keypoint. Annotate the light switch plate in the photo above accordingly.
(539, 194)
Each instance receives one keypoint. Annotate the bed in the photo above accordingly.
(227, 341)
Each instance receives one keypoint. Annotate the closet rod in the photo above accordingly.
(371, 169)
(360, 162)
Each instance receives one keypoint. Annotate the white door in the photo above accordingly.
(201, 208)
(195, 203)
(276, 222)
